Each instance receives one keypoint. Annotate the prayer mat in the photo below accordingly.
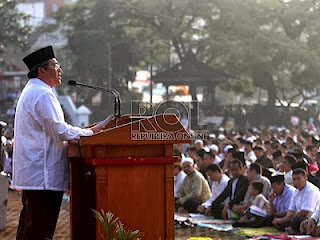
(250, 232)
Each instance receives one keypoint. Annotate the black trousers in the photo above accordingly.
(39, 214)
(190, 205)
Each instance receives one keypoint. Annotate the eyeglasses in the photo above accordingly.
(56, 66)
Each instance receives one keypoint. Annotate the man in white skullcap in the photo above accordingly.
(194, 189)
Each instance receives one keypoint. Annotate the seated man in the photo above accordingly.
(302, 164)
(219, 183)
(280, 197)
(235, 191)
(286, 164)
(202, 168)
(254, 174)
(279, 202)
(179, 176)
(305, 200)
(311, 226)
(194, 189)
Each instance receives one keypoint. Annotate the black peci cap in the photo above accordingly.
(38, 57)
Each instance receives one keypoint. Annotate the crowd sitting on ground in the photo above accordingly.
(256, 178)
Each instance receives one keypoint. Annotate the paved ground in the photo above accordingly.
(13, 212)
(63, 227)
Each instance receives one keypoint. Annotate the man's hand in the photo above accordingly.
(101, 125)
(311, 225)
(238, 208)
(277, 221)
(224, 214)
(201, 209)
(208, 212)
(271, 196)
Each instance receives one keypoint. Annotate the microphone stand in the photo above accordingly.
(117, 101)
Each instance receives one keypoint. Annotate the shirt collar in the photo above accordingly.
(40, 82)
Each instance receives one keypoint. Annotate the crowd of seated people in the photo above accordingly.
(256, 178)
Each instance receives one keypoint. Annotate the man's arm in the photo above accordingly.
(302, 213)
(223, 195)
(240, 192)
(285, 219)
(195, 190)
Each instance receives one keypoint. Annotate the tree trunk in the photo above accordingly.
(270, 111)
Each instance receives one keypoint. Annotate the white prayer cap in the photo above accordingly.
(206, 149)
(212, 135)
(198, 141)
(250, 139)
(221, 137)
(214, 148)
(3, 139)
(187, 159)
(226, 148)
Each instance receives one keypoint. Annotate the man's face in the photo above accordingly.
(191, 154)
(285, 165)
(207, 160)
(187, 168)
(200, 162)
(52, 73)
(235, 170)
(314, 151)
(214, 175)
(251, 174)
(277, 188)
(268, 147)
(258, 153)
(199, 145)
(176, 171)
(283, 150)
(299, 181)
(247, 148)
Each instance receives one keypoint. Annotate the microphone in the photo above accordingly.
(116, 95)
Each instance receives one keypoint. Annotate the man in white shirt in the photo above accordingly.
(311, 226)
(304, 202)
(179, 175)
(249, 153)
(219, 183)
(40, 166)
(286, 164)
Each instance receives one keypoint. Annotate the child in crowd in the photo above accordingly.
(259, 204)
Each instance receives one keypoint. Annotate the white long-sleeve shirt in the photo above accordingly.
(40, 153)
(178, 181)
(216, 189)
(316, 216)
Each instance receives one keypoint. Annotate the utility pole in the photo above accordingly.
(151, 74)
(151, 84)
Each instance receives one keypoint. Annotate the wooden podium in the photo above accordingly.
(126, 170)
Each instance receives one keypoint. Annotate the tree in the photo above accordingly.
(273, 43)
(14, 32)
(99, 50)
(270, 44)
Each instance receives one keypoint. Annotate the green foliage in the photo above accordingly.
(14, 32)
(113, 228)
(271, 44)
